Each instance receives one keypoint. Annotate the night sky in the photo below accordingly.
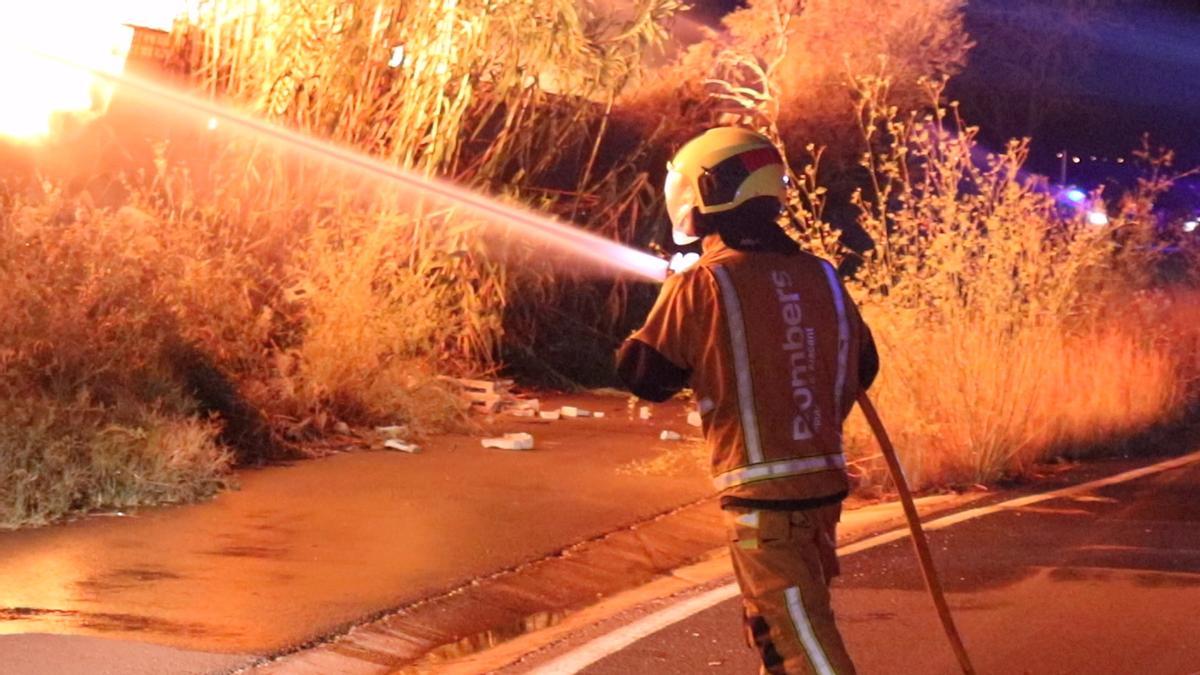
(1134, 70)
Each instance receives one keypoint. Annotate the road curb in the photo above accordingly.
(609, 643)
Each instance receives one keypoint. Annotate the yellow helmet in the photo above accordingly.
(718, 171)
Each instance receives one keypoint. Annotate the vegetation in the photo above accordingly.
(90, 417)
(327, 300)
(1011, 329)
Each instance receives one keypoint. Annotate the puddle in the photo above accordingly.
(108, 622)
(250, 551)
(125, 578)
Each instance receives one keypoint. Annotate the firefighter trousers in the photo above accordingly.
(784, 562)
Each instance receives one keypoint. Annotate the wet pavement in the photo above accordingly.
(499, 607)
(43, 654)
(303, 551)
(1103, 582)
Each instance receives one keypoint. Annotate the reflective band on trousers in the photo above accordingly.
(780, 469)
(741, 364)
(804, 629)
(843, 355)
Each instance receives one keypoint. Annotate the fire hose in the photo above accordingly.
(920, 544)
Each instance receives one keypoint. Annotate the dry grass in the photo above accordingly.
(90, 419)
(1005, 329)
(323, 298)
(1009, 331)
(64, 459)
(967, 404)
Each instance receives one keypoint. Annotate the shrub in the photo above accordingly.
(91, 415)
(1009, 330)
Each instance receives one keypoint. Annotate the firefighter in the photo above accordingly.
(775, 352)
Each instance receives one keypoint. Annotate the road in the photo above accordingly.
(1104, 581)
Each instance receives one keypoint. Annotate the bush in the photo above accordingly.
(61, 458)
(91, 415)
(1009, 330)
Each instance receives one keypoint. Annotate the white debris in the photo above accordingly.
(644, 412)
(517, 441)
(397, 444)
(572, 411)
(598, 415)
(549, 414)
(668, 435)
(531, 404)
(523, 412)
(694, 418)
(393, 431)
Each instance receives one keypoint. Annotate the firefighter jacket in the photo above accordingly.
(775, 352)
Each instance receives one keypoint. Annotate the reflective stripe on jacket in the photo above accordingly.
(770, 343)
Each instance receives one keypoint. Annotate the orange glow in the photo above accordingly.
(36, 91)
(581, 245)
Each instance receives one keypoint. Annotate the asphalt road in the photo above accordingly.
(1103, 582)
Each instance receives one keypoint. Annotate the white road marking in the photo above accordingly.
(611, 643)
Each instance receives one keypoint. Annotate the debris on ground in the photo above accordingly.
(394, 431)
(598, 415)
(688, 457)
(481, 395)
(550, 414)
(694, 418)
(394, 438)
(572, 411)
(516, 441)
(644, 412)
(668, 435)
(522, 407)
(397, 444)
(493, 396)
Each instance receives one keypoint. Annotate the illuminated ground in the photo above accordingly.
(1107, 582)
(1103, 582)
(299, 551)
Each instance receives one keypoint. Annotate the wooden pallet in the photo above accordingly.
(486, 396)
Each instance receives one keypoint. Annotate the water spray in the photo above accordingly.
(582, 244)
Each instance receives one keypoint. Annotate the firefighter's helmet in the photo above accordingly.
(718, 171)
